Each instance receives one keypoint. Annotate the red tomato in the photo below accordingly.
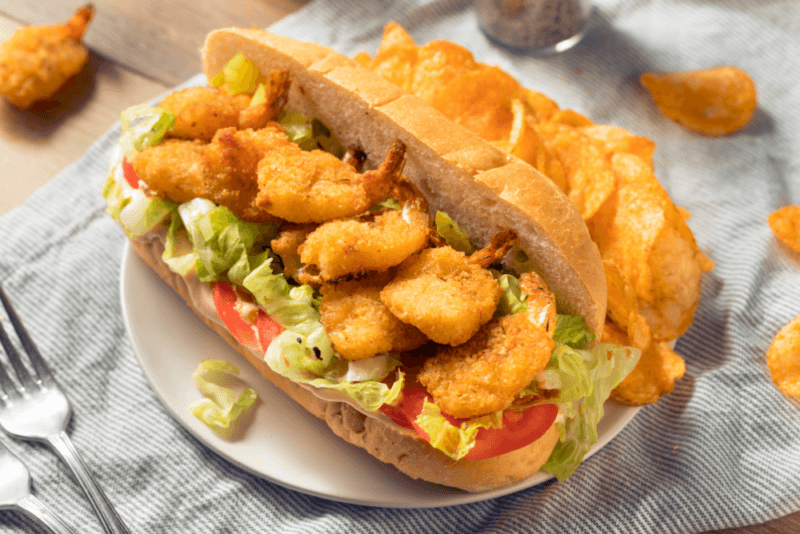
(519, 428)
(130, 174)
(256, 336)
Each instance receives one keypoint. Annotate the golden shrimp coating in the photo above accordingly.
(201, 111)
(173, 168)
(316, 186)
(260, 112)
(487, 373)
(370, 243)
(36, 60)
(286, 244)
(230, 167)
(359, 325)
(440, 292)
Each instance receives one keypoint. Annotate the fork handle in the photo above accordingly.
(112, 524)
(37, 510)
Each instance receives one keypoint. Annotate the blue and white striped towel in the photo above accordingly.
(722, 450)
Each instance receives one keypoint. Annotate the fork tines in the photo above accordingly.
(43, 375)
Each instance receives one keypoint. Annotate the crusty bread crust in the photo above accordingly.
(388, 442)
(484, 189)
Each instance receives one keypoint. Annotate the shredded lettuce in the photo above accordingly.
(221, 406)
(572, 330)
(222, 243)
(310, 134)
(454, 441)
(239, 74)
(452, 234)
(133, 210)
(512, 299)
(586, 378)
(144, 126)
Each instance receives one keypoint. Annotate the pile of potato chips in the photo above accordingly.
(652, 262)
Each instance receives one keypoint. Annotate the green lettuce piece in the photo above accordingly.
(178, 250)
(454, 441)
(133, 210)
(586, 379)
(452, 234)
(222, 242)
(512, 299)
(310, 134)
(221, 406)
(572, 330)
(143, 126)
(390, 203)
(239, 74)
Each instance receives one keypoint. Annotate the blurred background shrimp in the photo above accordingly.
(36, 60)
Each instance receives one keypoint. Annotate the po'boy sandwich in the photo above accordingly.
(433, 299)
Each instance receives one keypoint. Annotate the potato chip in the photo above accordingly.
(395, 35)
(713, 102)
(785, 224)
(543, 108)
(623, 307)
(653, 377)
(363, 59)
(570, 118)
(590, 180)
(396, 64)
(783, 358)
(480, 100)
(438, 62)
(614, 140)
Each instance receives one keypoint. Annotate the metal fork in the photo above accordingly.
(36, 408)
(15, 493)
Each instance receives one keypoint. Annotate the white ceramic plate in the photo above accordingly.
(280, 442)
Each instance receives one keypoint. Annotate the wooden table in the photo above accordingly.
(36, 144)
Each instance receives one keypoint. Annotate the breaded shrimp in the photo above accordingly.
(369, 243)
(229, 168)
(173, 168)
(286, 244)
(443, 294)
(36, 60)
(201, 111)
(494, 252)
(485, 374)
(315, 186)
(359, 325)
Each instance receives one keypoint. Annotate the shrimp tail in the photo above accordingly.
(76, 26)
(259, 113)
(500, 245)
(380, 182)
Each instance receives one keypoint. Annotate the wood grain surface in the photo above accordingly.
(138, 50)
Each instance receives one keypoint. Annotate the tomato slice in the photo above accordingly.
(129, 173)
(519, 428)
(256, 336)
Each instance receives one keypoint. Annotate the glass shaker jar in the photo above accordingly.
(537, 26)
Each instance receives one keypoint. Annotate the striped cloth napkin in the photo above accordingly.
(722, 450)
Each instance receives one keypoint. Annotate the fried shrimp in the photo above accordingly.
(316, 186)
(173, 168)
(487, 373)
(500, 245)
(36, 60)
(286, 244)
(368, 243)
(358, 323)
(443, 294)
(229, 168)
(201, 111)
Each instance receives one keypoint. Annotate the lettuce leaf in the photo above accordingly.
(454, 441)
(452, 234)
(133, 210)
(572, 330)
(512, 299)
(239, 74)
(144, 126)
(221, 406)
(586, 378)
(310, 134)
